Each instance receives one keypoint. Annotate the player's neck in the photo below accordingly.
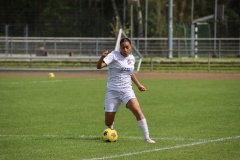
(124, 55)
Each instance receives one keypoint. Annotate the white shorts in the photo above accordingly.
(114, 98)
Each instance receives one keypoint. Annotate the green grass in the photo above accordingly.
(184, 64)
(63, 118)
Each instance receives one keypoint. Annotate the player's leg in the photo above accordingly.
(134, 106)
(109, 119)
(112, 104)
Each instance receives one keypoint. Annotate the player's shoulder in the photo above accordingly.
(131, 56)
(114, 52)
(113, 55)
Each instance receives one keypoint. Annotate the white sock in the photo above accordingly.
(144, 127)
(112, 125)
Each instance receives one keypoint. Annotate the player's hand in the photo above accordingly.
(142, 88)
(105, 53)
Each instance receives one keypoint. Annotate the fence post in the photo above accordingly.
(55, 46)
(178, 48)
(196, 40)
(26, 39)
(219, 48)
(6, 39)
(209, 61)
(151, 63)
(80, 48)
(97, 47)
(11, 46)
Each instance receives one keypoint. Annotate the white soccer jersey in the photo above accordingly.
(120, 69)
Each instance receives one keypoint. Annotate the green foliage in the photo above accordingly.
(93, 18)
(63, 118)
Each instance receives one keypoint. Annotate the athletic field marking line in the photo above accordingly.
(202, 141)
(165, 148)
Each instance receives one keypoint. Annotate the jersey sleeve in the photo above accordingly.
(109, 58)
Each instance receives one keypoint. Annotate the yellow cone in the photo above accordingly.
(51, 75)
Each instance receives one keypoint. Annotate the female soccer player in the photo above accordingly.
(119, 86)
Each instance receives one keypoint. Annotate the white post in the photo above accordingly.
(118, 40)
(215, 26)
(170, 29)
(192, 39)
(131, 21)
(124, 14)
(196, 41)
(146, 22)
(192, 30)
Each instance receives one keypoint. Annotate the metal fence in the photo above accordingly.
(15, 46)
(47, 47)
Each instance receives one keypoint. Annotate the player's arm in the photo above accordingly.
(101, 63)
(137, 83)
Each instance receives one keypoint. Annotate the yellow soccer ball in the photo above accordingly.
(109, 135)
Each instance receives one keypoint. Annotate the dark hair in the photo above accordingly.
(125, 40)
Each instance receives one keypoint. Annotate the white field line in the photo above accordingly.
(200, 141)
(164, 138)
(165, 148)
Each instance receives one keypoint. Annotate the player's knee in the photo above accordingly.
(139, 115)
(138, 112)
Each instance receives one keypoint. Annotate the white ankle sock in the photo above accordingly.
(112, 125)
(144, 127)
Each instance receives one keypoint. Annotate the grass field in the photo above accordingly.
(45, 118)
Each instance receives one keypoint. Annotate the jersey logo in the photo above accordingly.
(129, 61)
(120, 59)
(125, 69)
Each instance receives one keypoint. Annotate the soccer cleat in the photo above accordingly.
(149, 140)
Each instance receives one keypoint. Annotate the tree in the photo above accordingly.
(140, 24)
(101, 18)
